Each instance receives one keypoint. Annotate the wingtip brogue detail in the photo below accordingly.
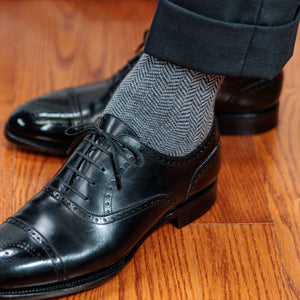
(89, 226)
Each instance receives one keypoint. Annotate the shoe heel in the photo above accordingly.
(248, 123)
(196, 206)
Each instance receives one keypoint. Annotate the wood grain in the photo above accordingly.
(238, 262)
(7, 84)
(280, 160)
(156, 272)
(238, 201)
(279, 157)
(246, 247)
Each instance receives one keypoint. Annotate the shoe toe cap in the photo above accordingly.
(23, 262)
(45, 117)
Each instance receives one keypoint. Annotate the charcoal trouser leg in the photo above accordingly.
(252, 38)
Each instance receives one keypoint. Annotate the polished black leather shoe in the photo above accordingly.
(248, 105)
(88, 222)
(40, 124)
(243, 106)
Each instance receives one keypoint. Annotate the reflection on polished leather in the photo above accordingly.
(89, 220)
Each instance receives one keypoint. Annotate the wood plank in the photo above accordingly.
(280, 165)
(291, 70)
(7, 96)
(75, 42)
(237, 262)
(241, 196)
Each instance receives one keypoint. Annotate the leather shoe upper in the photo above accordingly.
(47, 117)
(99, 206)
(248, 95)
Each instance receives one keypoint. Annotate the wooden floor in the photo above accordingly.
(246, 247)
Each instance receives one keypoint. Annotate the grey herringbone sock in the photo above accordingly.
(169, 107)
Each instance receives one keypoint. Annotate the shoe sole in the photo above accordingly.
(182, 215)
(248, 123)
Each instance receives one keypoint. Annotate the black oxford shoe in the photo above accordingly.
(248, 105)
(88, 222)
(243, 106)
(40, 124)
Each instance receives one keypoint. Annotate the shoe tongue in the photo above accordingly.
(115, 126)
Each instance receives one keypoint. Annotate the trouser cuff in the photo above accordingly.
(186, 38)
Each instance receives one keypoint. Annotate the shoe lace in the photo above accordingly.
(111, 145)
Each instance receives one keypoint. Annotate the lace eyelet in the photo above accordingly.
(94, 183)
(103, 169)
